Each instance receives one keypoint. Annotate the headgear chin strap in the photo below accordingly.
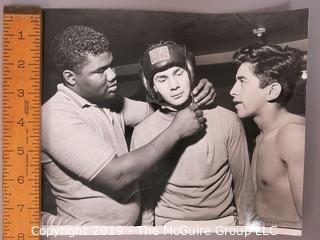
(161, 57)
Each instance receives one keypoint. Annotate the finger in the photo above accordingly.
(209, 99)
(203, 94)
(207, 104)
(205, 91)
(202, 120)
(202, 123)
(199, 113)
(203, 97)
(194, 107)
(203, 126)
(199, 87)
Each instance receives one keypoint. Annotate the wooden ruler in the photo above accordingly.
(21, 121)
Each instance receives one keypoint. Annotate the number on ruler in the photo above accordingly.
(21, 36)
(20, 207)
(20, 150)
(20, 179)
(21, 122)
(20, 92)
(21, 64)
(20, 236)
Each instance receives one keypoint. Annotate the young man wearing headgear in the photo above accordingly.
(264, 83)
(205, 179)
(85, 157)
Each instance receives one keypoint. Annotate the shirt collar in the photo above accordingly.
(82, 102)
(167, 114)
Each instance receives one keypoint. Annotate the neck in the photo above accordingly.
(270, 118)
(177, 108)
(103, 103)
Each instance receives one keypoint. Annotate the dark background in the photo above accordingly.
(132, 31)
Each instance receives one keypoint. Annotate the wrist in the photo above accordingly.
(174, 132)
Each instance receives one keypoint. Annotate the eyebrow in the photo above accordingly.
(177, 70)
(103, 67)
(165, 75)
(160, 77)
(240, 77)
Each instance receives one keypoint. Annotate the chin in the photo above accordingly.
(245, 115)
(179, 102)
(107, 99)
(111, 96)
(179, 105)
(242, 114)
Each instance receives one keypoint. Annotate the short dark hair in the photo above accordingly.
(72, 45)
(272, 63)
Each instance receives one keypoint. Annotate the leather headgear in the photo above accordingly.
(161, 57)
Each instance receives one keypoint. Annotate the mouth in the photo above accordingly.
(236, 102)
(176, 96)
(113, 87)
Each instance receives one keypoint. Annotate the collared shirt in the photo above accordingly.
(79, 139)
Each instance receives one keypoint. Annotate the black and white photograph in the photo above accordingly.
(170, 119)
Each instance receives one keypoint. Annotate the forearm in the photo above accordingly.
(122, 171)
(140, 161)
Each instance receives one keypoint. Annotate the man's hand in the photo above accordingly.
(204, 93)
(188, 121)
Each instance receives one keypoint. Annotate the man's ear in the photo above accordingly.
(274, 91)
(69, 77)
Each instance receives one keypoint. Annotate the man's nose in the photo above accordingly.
(110, 74)
(173, 83)
(234, 90)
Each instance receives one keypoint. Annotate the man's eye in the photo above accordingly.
(101, 70)
(161, 79)
(179, 73)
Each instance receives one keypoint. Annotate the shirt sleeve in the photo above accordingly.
(135, 112)
(72, 143)
(241, 172)
(146, 183)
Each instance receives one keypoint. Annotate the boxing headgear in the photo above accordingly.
(161, 57)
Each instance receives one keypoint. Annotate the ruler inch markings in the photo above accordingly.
(22, 41)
